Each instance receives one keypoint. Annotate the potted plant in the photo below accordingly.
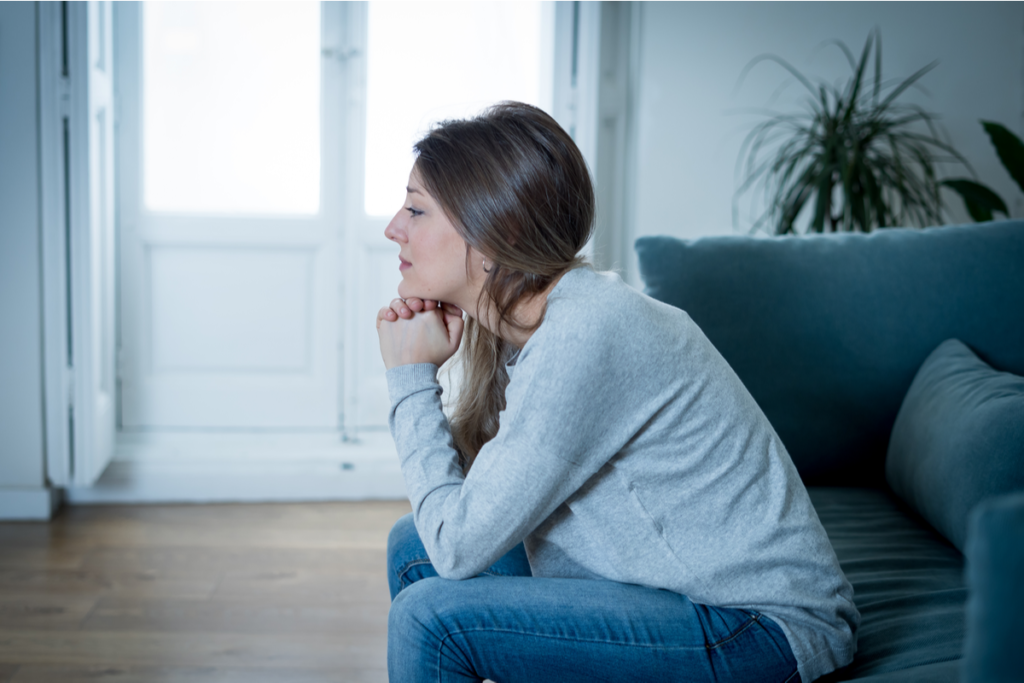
(856, 155)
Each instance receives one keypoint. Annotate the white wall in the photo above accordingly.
(22, 482)
(691, 55)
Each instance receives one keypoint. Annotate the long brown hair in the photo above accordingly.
(517, 189)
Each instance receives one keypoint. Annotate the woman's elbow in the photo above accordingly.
(450, 567)
(457, 575)
(457, 561)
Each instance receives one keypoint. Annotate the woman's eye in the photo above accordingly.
(414, 212)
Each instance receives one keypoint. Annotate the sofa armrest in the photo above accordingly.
(995, 567)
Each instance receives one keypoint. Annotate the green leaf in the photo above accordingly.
(979, 200)
(858, 76)
(875, 198)
(878, 65)
(1009, 148)
(909, 81)
(781, 62)
(855, 139)
(823, 203)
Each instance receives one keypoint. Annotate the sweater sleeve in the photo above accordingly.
(553, 436)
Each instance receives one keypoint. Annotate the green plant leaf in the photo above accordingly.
(909, 81)
(1009, 148)
(875, 198)
(979, 200)
(852, 154)
(878, 65)
(781, 62)
(854, 89)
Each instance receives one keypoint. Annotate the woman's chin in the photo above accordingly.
(406, 291)
(410, 290)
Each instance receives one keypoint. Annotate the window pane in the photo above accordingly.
(432, 61)
(231, 107)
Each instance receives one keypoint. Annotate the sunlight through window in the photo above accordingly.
(231, 107)
(432, 61)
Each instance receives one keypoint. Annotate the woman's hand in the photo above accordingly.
(418, 331)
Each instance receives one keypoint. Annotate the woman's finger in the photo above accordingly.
(449, 318)
(452, 309)
(429, 304)
(401, 308)
(385, 313)
(454, 325)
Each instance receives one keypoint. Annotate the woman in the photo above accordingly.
(623, 508)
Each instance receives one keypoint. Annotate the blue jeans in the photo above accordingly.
(509, 627)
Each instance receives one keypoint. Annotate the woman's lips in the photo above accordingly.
(404, 264)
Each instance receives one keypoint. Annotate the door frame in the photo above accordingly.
(77, 448)
(54, 93)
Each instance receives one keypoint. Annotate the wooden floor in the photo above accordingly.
(282, 593)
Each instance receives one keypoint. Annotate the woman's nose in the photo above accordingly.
(395, 231)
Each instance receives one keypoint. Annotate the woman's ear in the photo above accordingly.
(477, 265)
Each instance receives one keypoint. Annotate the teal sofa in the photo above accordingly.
(891, 366)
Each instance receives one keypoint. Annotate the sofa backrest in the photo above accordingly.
(827, 331)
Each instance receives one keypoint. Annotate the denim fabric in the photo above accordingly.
(508, 626)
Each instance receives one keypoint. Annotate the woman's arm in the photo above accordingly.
(554, 435)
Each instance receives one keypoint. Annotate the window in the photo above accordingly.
(231, 107)
(432, 61)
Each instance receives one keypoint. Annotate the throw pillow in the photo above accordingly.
(958, 438)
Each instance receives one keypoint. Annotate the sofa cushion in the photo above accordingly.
(958, 438)
(827, 331)
(908, 584)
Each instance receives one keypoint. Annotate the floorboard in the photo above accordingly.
(282, 593)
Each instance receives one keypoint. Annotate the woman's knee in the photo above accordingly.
(422, 618)
(418, 614)
(432, 608)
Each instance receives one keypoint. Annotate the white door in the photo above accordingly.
(230, 216)
(90, 227)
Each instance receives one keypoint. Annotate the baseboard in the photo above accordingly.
(28, 504)
(208, 468)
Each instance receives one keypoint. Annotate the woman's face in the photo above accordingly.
(433, 254)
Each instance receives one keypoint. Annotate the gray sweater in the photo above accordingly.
(628, 451)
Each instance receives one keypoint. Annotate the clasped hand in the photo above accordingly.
(418, 331)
